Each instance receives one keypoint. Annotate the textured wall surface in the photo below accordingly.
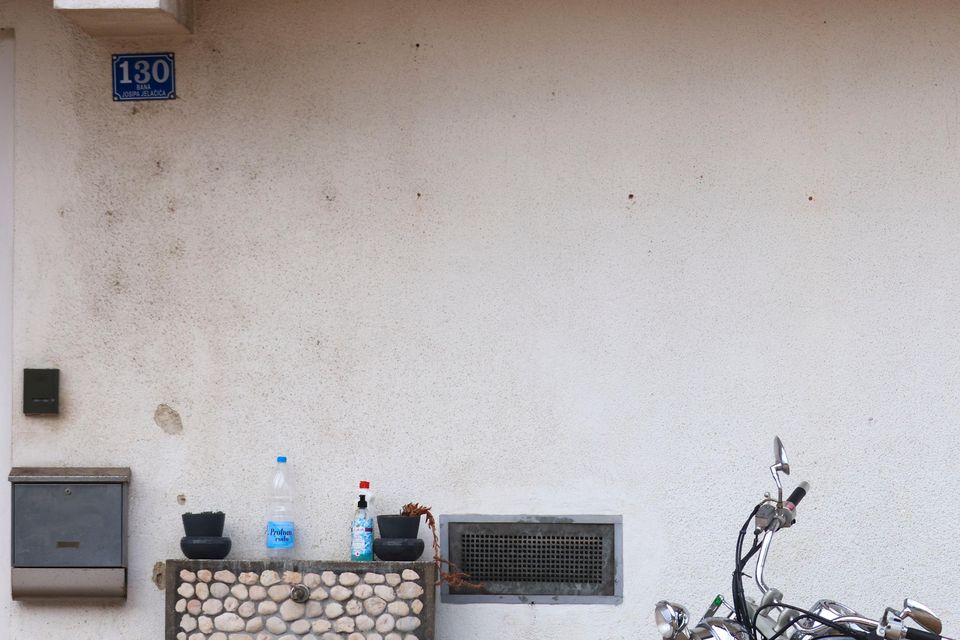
(556, 257)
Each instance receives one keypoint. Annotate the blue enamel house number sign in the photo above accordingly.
(143, 76)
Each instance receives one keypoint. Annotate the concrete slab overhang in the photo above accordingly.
(122, 18)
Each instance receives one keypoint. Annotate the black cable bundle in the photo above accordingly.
(739, 596)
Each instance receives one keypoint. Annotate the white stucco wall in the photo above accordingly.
(421, 265)
(7, 127)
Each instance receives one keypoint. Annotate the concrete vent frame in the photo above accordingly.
(535, 559)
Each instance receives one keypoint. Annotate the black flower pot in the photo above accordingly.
(398, 549)
(205, 547)
(397, 526)
(208, 524)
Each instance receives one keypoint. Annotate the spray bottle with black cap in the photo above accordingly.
(361, 535)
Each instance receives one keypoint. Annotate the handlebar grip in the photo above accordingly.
(794, 499)
(920, 634)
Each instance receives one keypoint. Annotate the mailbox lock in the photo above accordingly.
(68, 491)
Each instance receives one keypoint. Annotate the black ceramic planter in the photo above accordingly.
(205, 547)
(397, 526)
(204, 539)
(398, 549)
(208, 524)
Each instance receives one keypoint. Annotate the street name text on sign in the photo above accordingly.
(143, 76)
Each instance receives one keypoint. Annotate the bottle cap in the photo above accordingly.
(364, 484)
(281, 459)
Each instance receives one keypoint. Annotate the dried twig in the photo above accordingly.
(455, 578)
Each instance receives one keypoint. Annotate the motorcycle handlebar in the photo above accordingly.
(920, 634)
(794, 498)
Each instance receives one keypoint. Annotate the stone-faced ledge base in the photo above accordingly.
(251, 600)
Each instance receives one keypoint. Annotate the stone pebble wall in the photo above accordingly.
(258, 606)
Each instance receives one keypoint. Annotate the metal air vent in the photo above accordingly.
(534, 559)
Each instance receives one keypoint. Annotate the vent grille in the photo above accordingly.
(530, 559)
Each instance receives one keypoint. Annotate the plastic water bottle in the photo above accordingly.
(361, 534)
(280, 519)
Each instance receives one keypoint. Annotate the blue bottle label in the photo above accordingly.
(279, 535)
(361, 540)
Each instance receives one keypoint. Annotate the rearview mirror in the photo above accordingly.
(922, 615)
(782, 464)
(780, 453)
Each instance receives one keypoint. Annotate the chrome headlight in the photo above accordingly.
(671, 619)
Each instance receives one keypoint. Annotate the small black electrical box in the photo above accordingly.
(41, 391)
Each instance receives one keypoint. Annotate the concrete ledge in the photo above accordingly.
(123, 18)
(297, 598)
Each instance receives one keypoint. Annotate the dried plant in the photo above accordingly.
(455, 578)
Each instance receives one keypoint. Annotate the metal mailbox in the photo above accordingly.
(69, 532)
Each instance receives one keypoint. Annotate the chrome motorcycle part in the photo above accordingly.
(787, 618)
(761, 617)
(781, 464)
(835, 612)
(891, 626)
(780, 453)
(922, 615)
(772, 596)
(829, 609)
(712, 609)
(671, 620)
(762, 561)
(720, 629)
(766, 515)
